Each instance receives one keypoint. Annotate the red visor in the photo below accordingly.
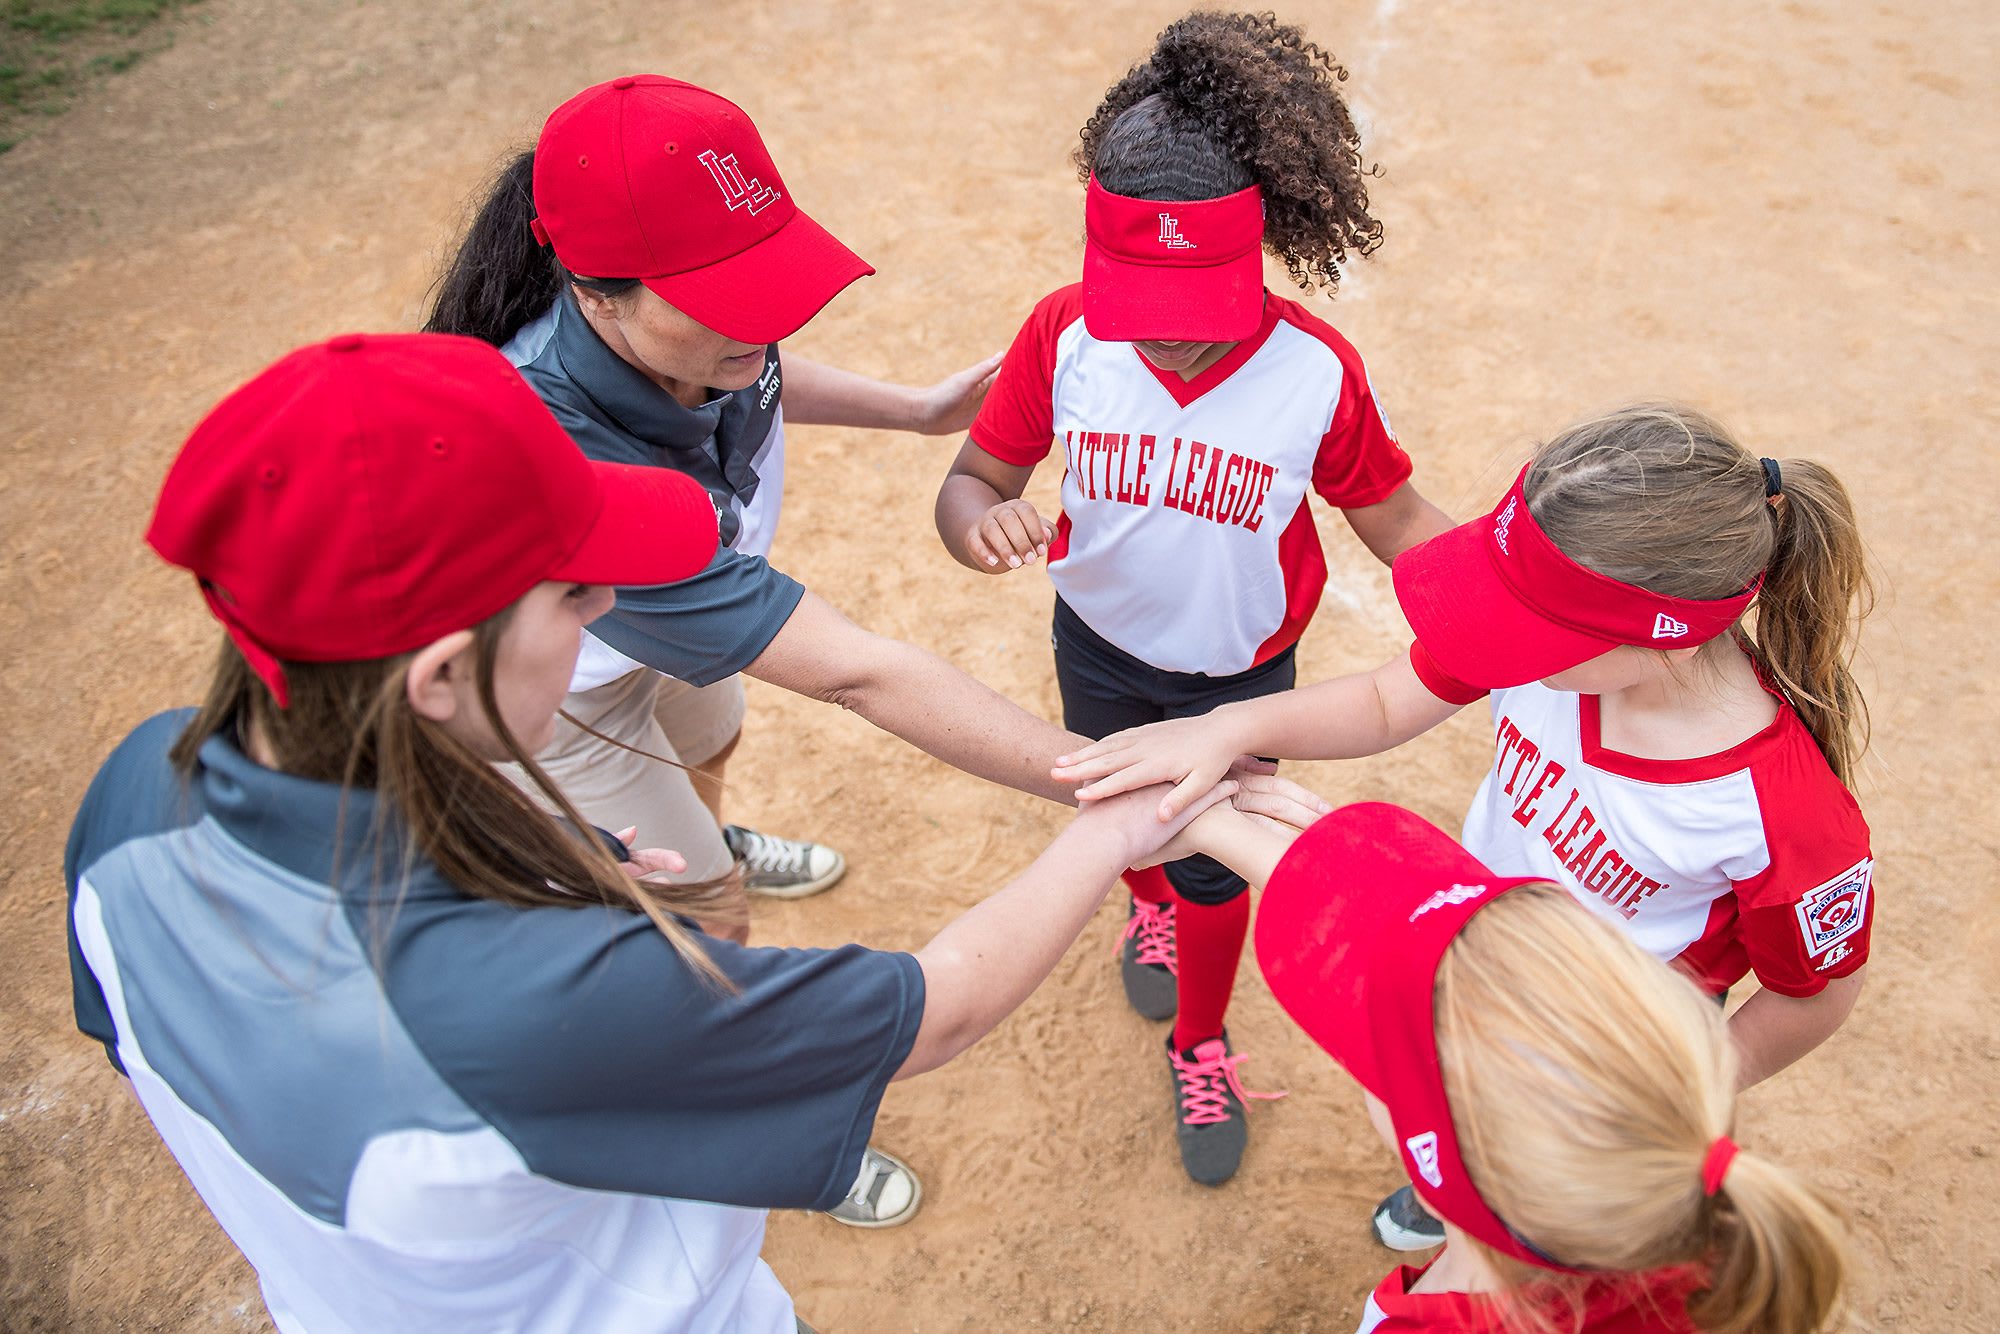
(651, 178)
(369, 495)
(1495, 604)
(1173, 271)
(1350, 933)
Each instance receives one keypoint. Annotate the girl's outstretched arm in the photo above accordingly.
(1341, 719)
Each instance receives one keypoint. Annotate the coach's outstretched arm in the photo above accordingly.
(916, 695)
(981, 966)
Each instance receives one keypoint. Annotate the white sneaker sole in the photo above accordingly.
(1398, 1238)
(902, 1215)
(805, 889)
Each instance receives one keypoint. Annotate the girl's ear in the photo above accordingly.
(437, 674)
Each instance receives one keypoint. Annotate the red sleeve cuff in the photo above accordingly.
(1447, 688)
(1013, 454)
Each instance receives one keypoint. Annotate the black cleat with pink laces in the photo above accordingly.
(1208, 1109)
(1147, 959)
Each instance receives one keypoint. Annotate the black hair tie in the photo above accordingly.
(1774, 481)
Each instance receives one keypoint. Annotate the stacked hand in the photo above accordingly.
(725, 914)
(1193, 754)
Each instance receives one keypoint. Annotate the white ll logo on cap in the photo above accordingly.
(1666, 627)
(737, 192)
(1170, 233)
(1424, 1152)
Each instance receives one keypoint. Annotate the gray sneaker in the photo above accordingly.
(783, 868)
(1403, 1224)
(1147, 960)
(1208, 1108)
(886, 1193)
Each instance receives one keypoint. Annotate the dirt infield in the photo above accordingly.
(1778, 212)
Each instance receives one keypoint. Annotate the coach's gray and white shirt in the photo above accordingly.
(419, 1110)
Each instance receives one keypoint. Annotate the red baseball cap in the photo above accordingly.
(1180, 271)
(368, 495)
(1350, 932)
(1495, 603)
(651, 178)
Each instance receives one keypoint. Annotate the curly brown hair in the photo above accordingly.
(1227, 100)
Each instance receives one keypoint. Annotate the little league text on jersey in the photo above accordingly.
(1206, 481)
(1573, 833)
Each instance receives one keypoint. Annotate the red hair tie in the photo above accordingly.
(1716, 1165)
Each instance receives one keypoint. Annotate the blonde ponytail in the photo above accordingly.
(1777, 1260)
(1587, 1081)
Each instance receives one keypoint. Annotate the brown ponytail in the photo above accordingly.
(350, 723)
(1661, 496)
(1815, 594)
(501, 277)
(1585, 1098)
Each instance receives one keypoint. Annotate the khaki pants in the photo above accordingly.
(615, 789)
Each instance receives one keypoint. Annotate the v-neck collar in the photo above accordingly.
(1692, 769)
(626, 395)
(1185, 392)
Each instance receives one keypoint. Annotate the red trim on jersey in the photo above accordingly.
(1813, 831)
(1652, 1303)
(1694, 769)
(1185, 392)
(1304, 564)
(1060, 546)
(1016, 423)
(1716, 960)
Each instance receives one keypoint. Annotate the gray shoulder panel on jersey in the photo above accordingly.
(613, 1065)
(135, 794)
(250, 994)
(703, 629)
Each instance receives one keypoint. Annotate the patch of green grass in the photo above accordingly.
(51, 50)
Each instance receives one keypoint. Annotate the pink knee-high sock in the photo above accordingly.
(1150, 885)
(1210, 941)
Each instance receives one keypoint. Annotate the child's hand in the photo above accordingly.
(724, 915)
(948, 407)
(1251, 831)
(1132, 818)
(1193, 754)
(1008, 536)
(1279, 800)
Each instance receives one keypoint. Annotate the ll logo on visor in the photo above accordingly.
(1170, 233)
(1424, 1153)
(1666, 627)
(1503, 523)
(737, 192)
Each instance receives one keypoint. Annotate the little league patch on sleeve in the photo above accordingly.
(1835, 910)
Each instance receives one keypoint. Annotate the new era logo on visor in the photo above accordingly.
(736, 191)
(1170, 233)
(1666, 627)
(1424, 1153)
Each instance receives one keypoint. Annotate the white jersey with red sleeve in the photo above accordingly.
(1185, 537)
(1752, 860)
